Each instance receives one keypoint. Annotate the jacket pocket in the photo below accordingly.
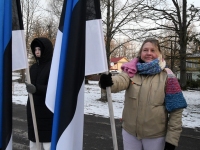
(157, 93)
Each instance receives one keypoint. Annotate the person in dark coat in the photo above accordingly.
(42, 50)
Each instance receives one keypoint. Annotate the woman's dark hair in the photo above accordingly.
(151, 40)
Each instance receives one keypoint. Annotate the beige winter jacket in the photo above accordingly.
(144, 114)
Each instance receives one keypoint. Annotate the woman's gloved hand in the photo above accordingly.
(30, 88)
(169, 146)
(105, 80)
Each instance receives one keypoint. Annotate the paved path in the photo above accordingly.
(97, 133)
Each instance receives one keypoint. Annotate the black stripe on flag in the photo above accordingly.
(93, 10)
(7, 97)
(62, 17)
(17, 23)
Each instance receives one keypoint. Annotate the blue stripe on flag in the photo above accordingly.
(5, 37)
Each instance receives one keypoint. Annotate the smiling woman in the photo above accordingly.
(150, 87)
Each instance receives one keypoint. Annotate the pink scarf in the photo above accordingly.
(130, 67)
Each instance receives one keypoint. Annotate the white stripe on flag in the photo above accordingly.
(53, 76)
(96, 61)
(9, 146)
(72, 137)
(19, 54)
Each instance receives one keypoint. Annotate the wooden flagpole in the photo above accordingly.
(112, 120)
(33, 111)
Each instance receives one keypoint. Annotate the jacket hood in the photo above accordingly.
(46, 49)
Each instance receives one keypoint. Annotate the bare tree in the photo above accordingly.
(37, 22)
(170, 48)
(45, 28)
(118, 18)
(29, 13)
(180, 18)
(55, 7)
(123, 49)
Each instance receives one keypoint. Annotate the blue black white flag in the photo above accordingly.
(6, 75)
(79, 51)
(7, 8)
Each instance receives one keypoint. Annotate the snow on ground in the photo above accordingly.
(191, 115)
(92, 106)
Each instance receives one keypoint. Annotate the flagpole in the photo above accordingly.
(33, 111)
(112, 120)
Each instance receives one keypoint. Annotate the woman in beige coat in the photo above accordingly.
(152, 114)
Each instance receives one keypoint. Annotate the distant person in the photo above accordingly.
(152, 114)
(42, 50)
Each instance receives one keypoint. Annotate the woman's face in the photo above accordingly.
(149, 52)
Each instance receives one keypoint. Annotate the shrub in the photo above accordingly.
(193, 83)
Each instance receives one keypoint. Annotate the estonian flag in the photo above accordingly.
(6, 69)
(79, 51)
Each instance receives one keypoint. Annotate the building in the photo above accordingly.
(116, 63)
(192, 66)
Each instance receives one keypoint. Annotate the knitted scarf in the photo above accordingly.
(130, 67)
(150, 68)
(174, 98)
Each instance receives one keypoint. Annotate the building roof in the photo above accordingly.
(116, 59)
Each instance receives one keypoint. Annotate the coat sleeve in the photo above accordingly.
(120, 82)
(174, 128)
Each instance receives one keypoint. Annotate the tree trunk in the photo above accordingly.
(86, 81)
(172, 58)
(108, 40)
(183, 47)
(22, 74)
(183, 79)
(103, 96)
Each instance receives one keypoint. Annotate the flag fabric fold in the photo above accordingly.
(79, 51)
(8, 8)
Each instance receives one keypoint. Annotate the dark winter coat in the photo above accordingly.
(39, 74)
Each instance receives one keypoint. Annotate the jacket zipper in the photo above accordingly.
(38, 62)
(137, 109)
